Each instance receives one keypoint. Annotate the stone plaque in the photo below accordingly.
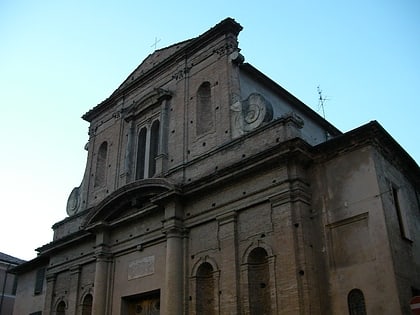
(141, 267)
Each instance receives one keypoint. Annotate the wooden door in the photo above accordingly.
(144, 306)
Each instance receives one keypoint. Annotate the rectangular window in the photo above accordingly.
(397, 205)
(15, 282)
(36, 313)
(39, 281)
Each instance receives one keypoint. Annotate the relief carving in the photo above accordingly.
(180, 74)
(73, 202)
(225, 49)
(141, 267)
(250, 114)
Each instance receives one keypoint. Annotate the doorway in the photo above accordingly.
(142, 304)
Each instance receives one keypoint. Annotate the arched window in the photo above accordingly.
(100, 174)
(87, 305)
(204, 112)
(259, 282)
(356, 302)
(147, 150)
(205, 303)
(141, 153)
(154, 147)
(61, 308)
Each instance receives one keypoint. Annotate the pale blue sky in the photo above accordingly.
(58, 59)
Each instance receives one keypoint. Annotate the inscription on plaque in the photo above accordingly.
(141, 267)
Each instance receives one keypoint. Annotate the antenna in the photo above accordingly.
(321, 101)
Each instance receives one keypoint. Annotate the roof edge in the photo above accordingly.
(373, 133)
(247, 67)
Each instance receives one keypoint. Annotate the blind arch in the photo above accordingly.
(205, 287)
(204, 112)
(100, 174)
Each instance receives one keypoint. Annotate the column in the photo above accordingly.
(100, 287)
(174, 272)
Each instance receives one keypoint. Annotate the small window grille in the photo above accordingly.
(356, 302)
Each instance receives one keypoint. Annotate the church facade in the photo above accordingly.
(209, 189)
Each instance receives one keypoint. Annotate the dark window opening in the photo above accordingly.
(39, 281)
(15, 283)
(154, 147)
(398, 211)
(147, 150)
(61, 308)
(141, 154)
(356, 302)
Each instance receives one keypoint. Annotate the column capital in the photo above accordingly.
(174, 231)
(173, 227)
(225, 218)
(102, 253)
(76, 269)
(51, 277)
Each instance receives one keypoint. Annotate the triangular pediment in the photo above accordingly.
(161, 58)
(152, 60)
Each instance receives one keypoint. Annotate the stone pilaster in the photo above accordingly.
(49, 294)
(74, 290)
(162, 157)
(229, 288)
(128, 157)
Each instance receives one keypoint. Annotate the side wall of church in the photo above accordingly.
(349, 209)
(27, 301)
(400, 202)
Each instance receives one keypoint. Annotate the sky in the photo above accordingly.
(58, 59)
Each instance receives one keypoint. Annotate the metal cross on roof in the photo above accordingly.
(155, 43)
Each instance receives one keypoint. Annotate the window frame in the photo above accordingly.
(148, 148)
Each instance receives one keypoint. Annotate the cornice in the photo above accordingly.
(64, 242)
(296, 150)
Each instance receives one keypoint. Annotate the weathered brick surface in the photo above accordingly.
(251, 216)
